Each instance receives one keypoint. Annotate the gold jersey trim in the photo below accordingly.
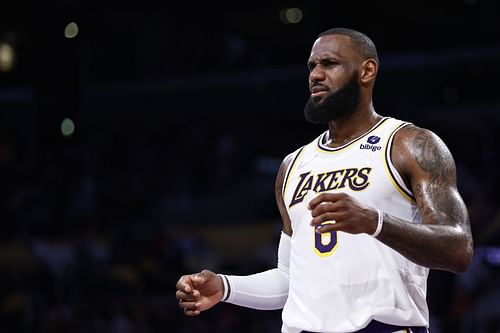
(391, 170)
(291, 169)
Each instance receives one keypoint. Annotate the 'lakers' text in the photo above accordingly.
(356, 179)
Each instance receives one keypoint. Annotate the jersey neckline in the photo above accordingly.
(324, 147)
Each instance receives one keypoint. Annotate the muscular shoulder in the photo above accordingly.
(280, 179)
(417, 150)
(286, 162)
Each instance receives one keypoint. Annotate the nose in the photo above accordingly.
(316, 74)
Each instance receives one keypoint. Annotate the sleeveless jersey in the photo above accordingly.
(339, 282)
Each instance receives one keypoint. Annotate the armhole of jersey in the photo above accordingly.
(393, 173)
(290, 169)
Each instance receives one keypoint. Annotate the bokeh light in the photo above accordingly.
(291, 15)
(71, 30)
(7, 57)
(67, 127)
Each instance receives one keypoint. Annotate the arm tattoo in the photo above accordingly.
(434, 158)
(444, 239)
(437, 162)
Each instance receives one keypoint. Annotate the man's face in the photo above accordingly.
(334, 105)
(333, 80)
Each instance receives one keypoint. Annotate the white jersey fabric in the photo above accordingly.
(339, 282)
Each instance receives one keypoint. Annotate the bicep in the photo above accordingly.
(430, 170)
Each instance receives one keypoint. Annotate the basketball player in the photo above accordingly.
(368, 208)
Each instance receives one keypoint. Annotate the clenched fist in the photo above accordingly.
(199, 292)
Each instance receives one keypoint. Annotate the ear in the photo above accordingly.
(368, 71)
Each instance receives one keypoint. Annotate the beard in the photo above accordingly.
(335, 106)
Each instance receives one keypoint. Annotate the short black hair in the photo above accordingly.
(361, 41)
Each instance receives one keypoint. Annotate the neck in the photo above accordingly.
(343, 131)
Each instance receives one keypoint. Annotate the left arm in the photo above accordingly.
(443, 241)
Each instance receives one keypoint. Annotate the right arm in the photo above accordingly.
(265, 291)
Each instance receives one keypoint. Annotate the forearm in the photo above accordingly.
(263, 291)
(439, 246)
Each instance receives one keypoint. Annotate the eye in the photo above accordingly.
(329, 63)
(325, 64)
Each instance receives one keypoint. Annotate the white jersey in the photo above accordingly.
(339, 282)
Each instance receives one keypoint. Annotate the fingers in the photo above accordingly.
(198, 279)
(325, 197)
(328, 212)
(189, 298)
(183, 296)
(185, 283)
(324, 207)
(185, 290)
(206, 275)
(329, 208)
(328, 217)
(330, 226)
(188, 292)
(340, 212)
(190, 308)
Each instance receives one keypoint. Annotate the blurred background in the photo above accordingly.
(140, 142)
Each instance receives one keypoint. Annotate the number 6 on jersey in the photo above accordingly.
(325, 243)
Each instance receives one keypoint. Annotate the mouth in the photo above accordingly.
(318, 90)
(318, 93)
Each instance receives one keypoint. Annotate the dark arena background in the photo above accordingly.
(140, 141)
